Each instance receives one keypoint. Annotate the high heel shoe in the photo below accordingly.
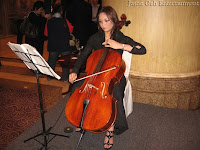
(109, 136)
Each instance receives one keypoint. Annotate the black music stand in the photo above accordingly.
(34, 61)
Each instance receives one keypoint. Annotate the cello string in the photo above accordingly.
(92, 79)
(101, 60)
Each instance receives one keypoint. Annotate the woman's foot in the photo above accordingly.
(108, 141)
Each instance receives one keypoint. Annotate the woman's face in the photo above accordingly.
(105, 23)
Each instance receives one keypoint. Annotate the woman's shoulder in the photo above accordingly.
(120, 36)
(57, 19)
(32, 14)
(97, 35)
(33, 17)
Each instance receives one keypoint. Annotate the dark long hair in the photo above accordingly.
(112, 15)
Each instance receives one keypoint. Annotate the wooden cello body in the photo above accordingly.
(92, 106)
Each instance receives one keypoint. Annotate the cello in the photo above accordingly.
(92, 107)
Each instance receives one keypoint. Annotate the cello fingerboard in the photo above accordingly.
(101, 60)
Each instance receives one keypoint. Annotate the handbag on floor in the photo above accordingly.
(29, 29)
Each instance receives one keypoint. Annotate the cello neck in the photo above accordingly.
(101, 60)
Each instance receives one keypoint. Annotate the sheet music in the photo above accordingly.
(19, 52)
(32, 58)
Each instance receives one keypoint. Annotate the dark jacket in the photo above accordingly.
(40, 22)
(37, 42)
(58, 35)
(95, 43)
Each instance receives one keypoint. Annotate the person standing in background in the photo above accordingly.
(47, 5)
(95, 9)
(22, 12)
(58, 31)
(79, 14)
(36, 17)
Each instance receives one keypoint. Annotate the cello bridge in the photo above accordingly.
(88, 87)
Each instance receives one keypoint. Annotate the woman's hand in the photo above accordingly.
(112, 44)
(47, 16)
(72, 77)
(138, 46)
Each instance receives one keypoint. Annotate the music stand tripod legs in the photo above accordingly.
(44, 132)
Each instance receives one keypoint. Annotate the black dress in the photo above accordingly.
(95, 43)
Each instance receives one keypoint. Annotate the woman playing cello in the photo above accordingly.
(109, 36)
